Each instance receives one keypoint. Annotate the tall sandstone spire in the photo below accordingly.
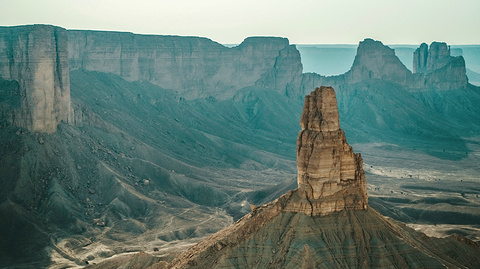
(330, 174)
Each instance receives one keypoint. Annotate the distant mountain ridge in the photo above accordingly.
(331, 60)
(192, 66)
(376, 61)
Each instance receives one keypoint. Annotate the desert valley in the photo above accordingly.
(120, 149)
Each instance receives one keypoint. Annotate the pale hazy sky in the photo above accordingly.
(227, 21)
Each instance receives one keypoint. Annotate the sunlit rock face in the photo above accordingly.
(36, 57)
(330, 174)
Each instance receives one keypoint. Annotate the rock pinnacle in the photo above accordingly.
(330, 174)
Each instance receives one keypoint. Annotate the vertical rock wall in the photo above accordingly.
(36, 57)
(193, 66)
(426, 60)
(434, 69)
(434, 66)
(420, 59)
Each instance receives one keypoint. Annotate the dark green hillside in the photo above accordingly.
(191, 128)
(431, 121)
(135, 158)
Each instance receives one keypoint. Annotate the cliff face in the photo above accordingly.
(420, 58)
(36, 57)
(194, 67)
(427, 59)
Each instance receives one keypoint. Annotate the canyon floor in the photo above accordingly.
(436, 197)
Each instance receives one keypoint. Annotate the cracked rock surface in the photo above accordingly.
(330, 174)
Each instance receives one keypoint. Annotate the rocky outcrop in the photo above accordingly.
(451, 76)
(330, 174)
(193, 66)
(373, 61)
(435, 67)
(36, 57)
(198, 67)
(286, 74)
(427, 60)
(377, 61)
(420, 59)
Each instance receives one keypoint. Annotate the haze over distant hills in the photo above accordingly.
(337, 59)
(134, 143)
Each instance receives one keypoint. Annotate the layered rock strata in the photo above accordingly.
(36, 57)
(330, 174)
(199, 67)
(193, 66)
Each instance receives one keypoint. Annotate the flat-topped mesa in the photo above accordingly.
(330, 174)
(194, 67)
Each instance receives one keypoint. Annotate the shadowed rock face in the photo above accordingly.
(330, 175)
(420, 58)
(36, 57)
